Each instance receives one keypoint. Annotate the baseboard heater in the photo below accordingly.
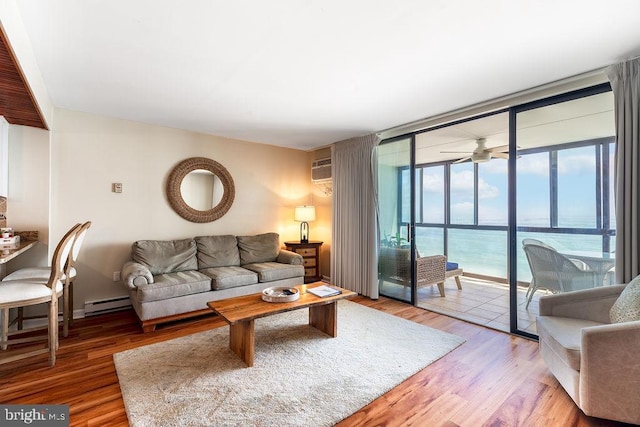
(109, 305)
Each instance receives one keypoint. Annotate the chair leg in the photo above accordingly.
(458, 282)
(70, 303)
(20, 318)
(65, 308)
(53, 330)
(533, 291)
(5, 328)
(441, 288)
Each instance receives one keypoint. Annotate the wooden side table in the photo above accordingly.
(311, 256)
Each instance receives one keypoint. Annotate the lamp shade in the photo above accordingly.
(305, 213)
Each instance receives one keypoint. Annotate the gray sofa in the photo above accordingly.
(174, 279)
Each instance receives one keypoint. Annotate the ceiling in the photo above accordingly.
(305, 74)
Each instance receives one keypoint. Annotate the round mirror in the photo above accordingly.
(200, 189)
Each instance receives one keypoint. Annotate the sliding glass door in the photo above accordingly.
(483, 190)
(395, 215)
(565, 227)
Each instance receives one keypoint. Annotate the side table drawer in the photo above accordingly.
(309, 262)
(309, 272)
(306, 251)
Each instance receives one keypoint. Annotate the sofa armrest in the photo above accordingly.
(588, 304)
(135, 274)
(609, 370)
(288, 257)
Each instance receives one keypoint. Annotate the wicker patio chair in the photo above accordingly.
(555, 272)
(394, 266)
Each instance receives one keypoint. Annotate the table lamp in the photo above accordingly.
(304, 214)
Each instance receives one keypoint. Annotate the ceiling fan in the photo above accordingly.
(482, 153)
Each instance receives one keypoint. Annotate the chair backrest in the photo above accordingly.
(550, 269)
(61, 255)
(77, 244)
(536, 242)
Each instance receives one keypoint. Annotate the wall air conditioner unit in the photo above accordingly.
(321, 171)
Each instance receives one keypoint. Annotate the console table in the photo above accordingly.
(311, 255)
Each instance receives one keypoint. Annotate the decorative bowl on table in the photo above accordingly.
(280, 294)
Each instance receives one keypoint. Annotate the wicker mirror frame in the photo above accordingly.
(177, 201)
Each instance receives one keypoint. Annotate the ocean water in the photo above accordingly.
(486, 252)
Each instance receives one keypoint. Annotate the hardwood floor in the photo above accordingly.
(493, 379)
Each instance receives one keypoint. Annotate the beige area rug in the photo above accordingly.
(300, 377)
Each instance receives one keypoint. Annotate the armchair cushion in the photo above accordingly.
(627, 306)
(259, 248)
(451, 266)
(564, 336)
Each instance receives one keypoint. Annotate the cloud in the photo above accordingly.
(577, 165)
(462, 184)
(535, 164)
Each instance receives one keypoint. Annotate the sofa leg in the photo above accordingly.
(458, 282)
(441, 288)
(148, 328)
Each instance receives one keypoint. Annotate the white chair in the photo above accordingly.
(555, 272)
(28, 292)
(42, 274)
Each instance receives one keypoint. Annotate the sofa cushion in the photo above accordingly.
(166, 256)
(171, 285)
(627, 306)
(260, 248)
(217, 251)
(270, 271)
(564, 336)
(230, 277)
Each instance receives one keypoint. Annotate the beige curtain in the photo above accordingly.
(354, 244)
(625, 82)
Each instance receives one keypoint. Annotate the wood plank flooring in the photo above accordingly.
(493, 379)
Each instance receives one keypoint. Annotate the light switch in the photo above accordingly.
(116, 187)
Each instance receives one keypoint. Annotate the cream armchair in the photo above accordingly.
(597, 362)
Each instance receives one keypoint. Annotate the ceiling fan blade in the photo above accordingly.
(501, 148)
(464, 152)
(464, 159)
(500, 155)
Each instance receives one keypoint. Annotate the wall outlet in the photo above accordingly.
(116, 276)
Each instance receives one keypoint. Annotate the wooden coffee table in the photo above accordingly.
(240, 313)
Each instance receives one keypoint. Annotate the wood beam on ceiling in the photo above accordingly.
(17, 103)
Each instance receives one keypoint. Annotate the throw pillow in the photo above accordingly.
(166, 256)
(217, 251)
(260, 248)
(627, 306)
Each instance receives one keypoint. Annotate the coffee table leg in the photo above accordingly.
(325, 318)
(241, 340)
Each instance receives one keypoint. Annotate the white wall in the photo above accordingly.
(28, 197)
(89, 153)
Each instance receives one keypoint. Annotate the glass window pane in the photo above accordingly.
(462, 189)
(429, 241)
(405, 195)
(533, 190)
(433, 195)
(479, 251)
(492, 193)
(577, 187)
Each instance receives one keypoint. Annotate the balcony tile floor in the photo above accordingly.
(480, 301)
